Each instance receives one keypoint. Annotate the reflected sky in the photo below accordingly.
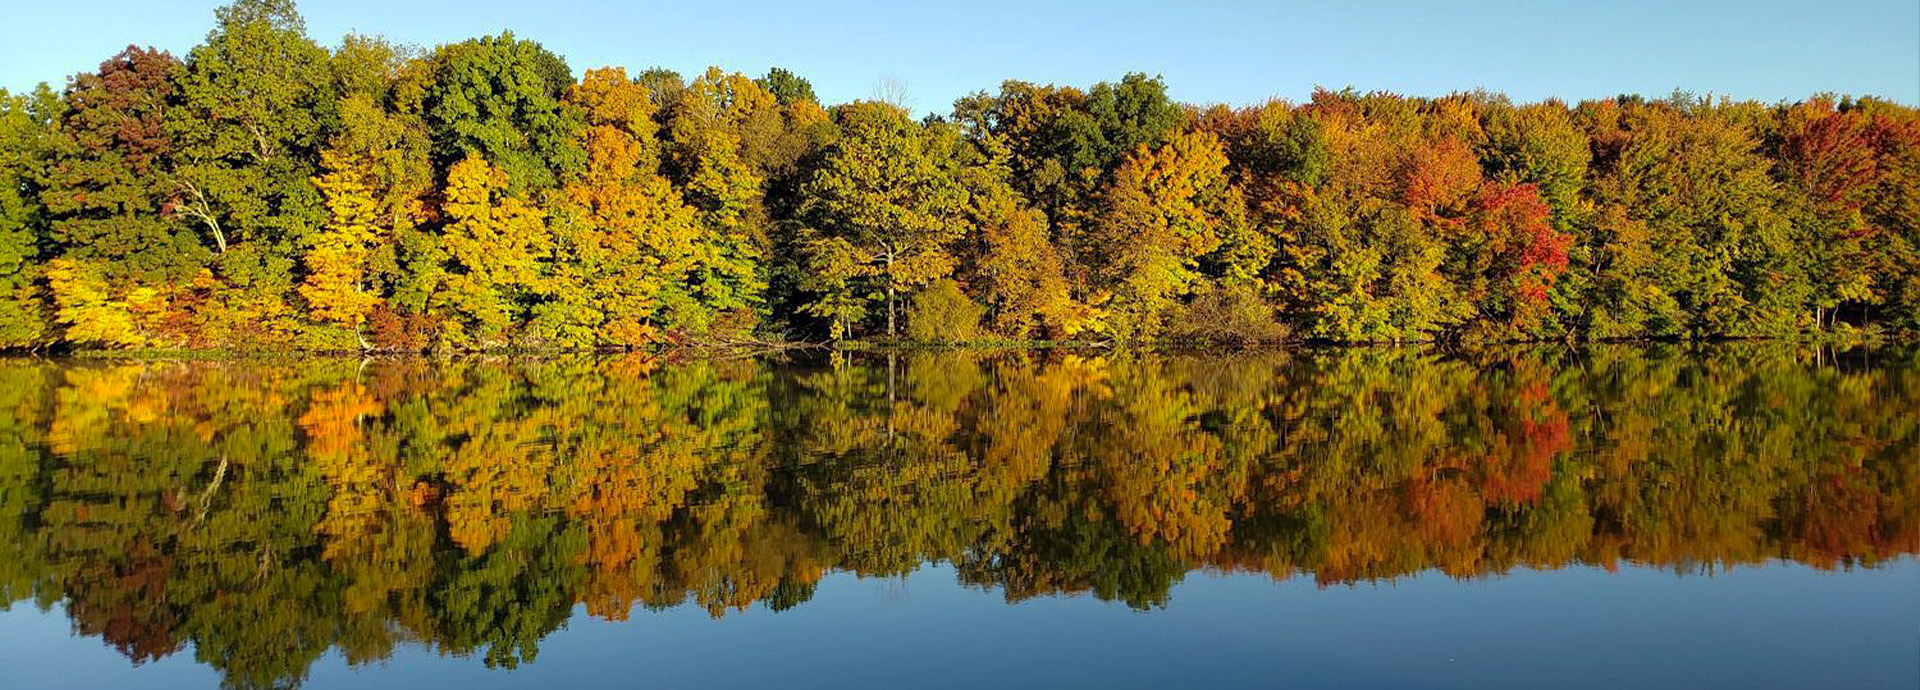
(1777, 626)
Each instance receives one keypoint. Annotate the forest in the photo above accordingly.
(257, 515)
(265, 192)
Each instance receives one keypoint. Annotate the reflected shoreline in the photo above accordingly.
(268, 511)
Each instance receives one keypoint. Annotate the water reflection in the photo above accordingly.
(265, 513)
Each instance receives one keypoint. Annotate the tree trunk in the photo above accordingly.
(890, 296)
(891, 357)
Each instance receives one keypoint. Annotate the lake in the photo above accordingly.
(1742, 515)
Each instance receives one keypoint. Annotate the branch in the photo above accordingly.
(201, 210)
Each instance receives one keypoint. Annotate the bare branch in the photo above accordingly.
(199, 208)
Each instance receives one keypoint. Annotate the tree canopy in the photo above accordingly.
(266, 192)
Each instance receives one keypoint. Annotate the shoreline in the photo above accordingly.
(902, 347)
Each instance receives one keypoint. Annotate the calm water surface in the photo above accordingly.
(1739, 516)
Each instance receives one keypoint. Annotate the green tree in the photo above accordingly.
(1063, 143)
(27, 140)
(787, 88)
(253, 107)
(501, 98)
(1718, 258)
(887, 189)
(718, 132)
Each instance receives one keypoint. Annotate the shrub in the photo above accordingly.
(943, 314)
(1231, 316)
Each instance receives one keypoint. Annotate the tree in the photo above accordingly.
(1010, 263)
(1166, 208)
(373, 260)
(787, 88)
(370, 66)
(1892, 206)
(626, 242)
(1510, 257)
(495, 242)
(1063, 143)
(253, 107)
(500, 98)
(1540, 144)
(716, 135)
(336, 284)
(27, 140)
(87, 305)
(106, 191)
(834, 269)
(1718, 253)
(1122, 118)
(1828, 167)
(943, 314)
(886, 189)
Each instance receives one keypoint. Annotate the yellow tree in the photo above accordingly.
(336, 277)
(626, 239)
(495, 243)
(376, 172)
(1165, 208)
(1012, 267)
(712, 124)
(92, 314)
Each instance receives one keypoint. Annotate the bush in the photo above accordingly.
(391, 329)
(943, 314)
(1229, 316)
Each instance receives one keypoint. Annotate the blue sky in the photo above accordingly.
(1238, 52)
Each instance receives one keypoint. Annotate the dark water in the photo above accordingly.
(1739, 516)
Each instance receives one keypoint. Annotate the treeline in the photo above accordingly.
(266, 192)
(262, 515)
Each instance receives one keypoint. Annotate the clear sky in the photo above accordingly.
(1234, 51)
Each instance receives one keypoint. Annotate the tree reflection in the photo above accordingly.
(267, 513)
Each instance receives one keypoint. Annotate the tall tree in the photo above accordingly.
(1828, 169)
(1010, 264)
(253, 107)
(107, 191)
(625, 241)
(500, 98)
(336, 284)
(1064, 143)
(373, 259)
(1893, 207)
(1718, 261)
(887, 189)
(719, 136)
(1166, 207)
(27, 140)
(496, 242)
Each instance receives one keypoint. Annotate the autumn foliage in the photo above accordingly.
(479, 196)
(275, 511)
